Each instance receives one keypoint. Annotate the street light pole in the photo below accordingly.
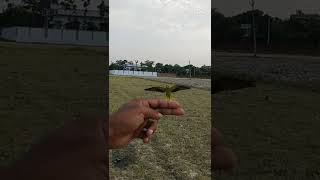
(189, 70)
(212, 34)
(252, 3)
(269, 24)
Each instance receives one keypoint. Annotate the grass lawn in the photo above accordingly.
(181, 147)
(276, 138)
(42, 86)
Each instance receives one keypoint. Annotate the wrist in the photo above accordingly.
(111, 132)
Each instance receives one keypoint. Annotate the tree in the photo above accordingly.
(188, 69)
(205, 71)
(218, 28)
(149, 65)
(85, 4)
(121, 63)
(180, 71)
(213, 12)
(252, 4)
(90, 26)
(73, 24)
(168, 68)
(9, 4)
(136, 67)
(313, 31)
(69, 5)
(32, 5)
(103, 12)
(159, 67)
(118, 65)
(114, 66)
(15, 16)
(298, 34)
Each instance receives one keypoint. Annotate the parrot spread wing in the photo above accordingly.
(176, 88)
(157, 89)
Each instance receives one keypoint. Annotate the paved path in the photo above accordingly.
(200, 83)
(280, 67)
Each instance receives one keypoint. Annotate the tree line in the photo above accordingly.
(272, 33)
(31, 13)
(180, 71)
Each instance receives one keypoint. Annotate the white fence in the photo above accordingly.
(133, 73)
(56, 36)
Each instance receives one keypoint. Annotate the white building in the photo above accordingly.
(55, 36)
(135, 67)
(58, 31)
(133, 73)
(302, 17)
(60, 18)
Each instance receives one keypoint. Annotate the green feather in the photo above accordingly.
(168, 90)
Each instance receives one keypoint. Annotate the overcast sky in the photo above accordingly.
(165, 31)
(279, 8)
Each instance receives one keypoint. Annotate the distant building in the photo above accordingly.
(135, 67)
(54, 36)
(245, 30)
(132, 69)
(61, 26)
(302, 17)
(90, 19)
(61, 18)
(58, 17)
(133, 73)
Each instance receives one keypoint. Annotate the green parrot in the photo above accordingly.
(168, 90)
(168, 94)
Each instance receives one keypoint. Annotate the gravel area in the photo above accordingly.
(279, 67)
(198, 83)
(265, 66)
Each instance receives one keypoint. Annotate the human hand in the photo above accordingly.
(127, 123)
(223, 157)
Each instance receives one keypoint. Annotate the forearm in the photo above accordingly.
(111, 133)
(78, 151)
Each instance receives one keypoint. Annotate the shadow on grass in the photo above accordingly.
(124, 158)
(230, 82)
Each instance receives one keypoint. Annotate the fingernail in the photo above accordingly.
(182, 110)
(160, 115)
(150, 132)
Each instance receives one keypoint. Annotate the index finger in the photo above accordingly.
(161, 104)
